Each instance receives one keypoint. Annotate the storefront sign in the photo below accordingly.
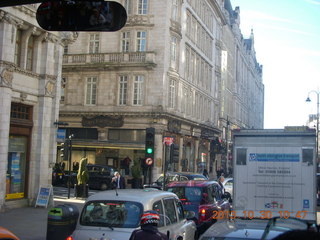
(206, 133)
(61, 135)
(168, 140)
(103, 121)
(44, 196)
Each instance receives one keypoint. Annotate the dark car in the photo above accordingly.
(100, 176)
(176, 176)
(204, 198)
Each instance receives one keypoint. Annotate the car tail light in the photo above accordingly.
(202, 215)
(69, 238)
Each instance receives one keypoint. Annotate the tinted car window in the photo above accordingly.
(112, 214)
(190, 194)
(170, 211)
(157, 206)
(180, 210)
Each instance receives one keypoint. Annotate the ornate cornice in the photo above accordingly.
(8, 18)
(30, 11)
(6, 77)
(142, 20)
(68, 37)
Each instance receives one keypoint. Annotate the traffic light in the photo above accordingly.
(149, 148)
(64, 151)
(174, 153)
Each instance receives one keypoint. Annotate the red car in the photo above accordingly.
(7, 235)
(204, 198)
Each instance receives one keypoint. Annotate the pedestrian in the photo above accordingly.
(218, 172)
(118, 181)
(220, 181)
(148, 228)
(205, 173)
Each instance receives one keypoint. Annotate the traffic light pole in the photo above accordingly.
(69, 163)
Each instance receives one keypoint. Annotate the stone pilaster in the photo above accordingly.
(5, 107)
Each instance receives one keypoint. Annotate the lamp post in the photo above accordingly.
(317, 127)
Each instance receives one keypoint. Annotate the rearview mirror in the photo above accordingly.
(106, 16)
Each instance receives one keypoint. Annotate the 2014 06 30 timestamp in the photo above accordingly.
(261, 214)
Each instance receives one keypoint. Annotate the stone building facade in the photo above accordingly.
(242, 88)
(161, 70)
(30, 68)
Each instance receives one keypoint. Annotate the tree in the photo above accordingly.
(82, 178)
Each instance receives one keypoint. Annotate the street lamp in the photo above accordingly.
(317, 127)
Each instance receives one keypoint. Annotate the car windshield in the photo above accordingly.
(190, 194)
(120, 214)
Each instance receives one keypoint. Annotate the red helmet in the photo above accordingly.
(150, 217)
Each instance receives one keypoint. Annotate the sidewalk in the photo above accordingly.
(30, 223)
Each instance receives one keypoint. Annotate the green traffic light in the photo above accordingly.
(149, 150)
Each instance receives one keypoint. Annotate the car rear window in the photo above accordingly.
(120, 214)
(188, 194)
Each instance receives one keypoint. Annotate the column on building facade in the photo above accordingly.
(5, 105)
(6, 75)
(42, 129)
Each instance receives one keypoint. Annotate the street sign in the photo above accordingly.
(168, 140)
(149, 161)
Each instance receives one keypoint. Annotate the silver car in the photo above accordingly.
(253, 229)
(113, 215)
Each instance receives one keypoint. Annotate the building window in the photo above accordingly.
(138, 90)
(30, 53)
(65, 49)
(175, 10)
(17, 50)
(127, 6)
(173, 52)
(63, 87)
(19, 111)
(125, 41)
(94, 43)
(141, 41)
(91, 91)
(172, 94)
(123, 88)
(142, 7)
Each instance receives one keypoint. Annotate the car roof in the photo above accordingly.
(191, 183)
(136, 195)
(186, 174)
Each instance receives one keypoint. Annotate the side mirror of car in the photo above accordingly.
(106, 16)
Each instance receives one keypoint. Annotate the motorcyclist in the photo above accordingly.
(148, 228)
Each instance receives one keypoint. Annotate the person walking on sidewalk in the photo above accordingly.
(149, 228)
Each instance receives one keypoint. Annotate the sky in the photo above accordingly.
(287, 44)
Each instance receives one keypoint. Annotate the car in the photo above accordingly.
(204, 198)
(176, 176)
(100, 176)
(120, 212)
(6, 234)
(252, 229)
